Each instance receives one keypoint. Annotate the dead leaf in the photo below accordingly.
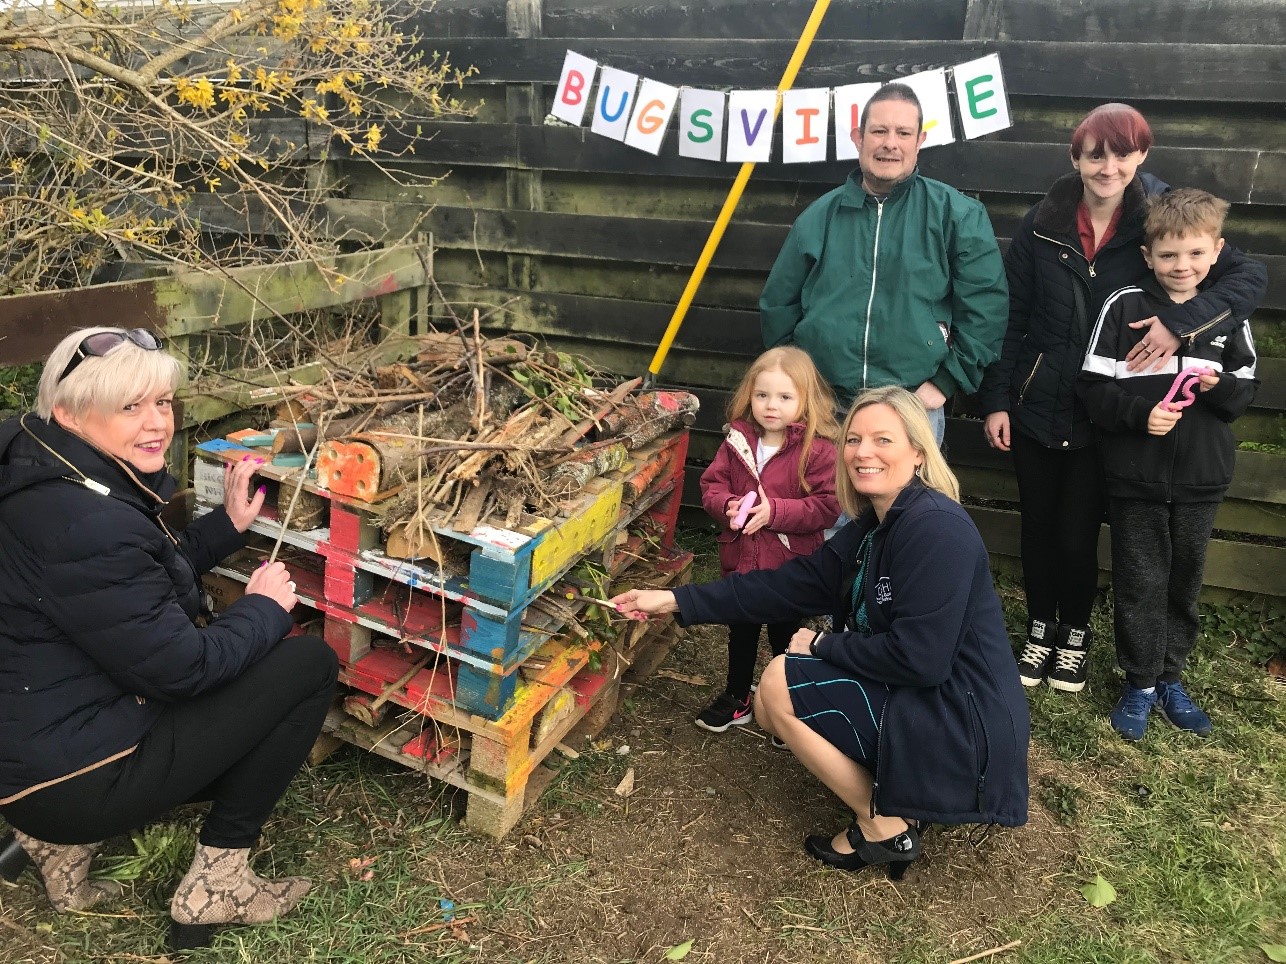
(626, 786)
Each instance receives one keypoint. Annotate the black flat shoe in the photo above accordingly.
(13, 859)
(897, 853)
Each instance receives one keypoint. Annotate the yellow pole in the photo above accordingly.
(734, 197)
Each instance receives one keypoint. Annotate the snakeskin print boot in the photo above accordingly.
(65, 870)
(220, 888)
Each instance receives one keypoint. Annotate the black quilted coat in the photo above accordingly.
(97, 608)
(1055, 295)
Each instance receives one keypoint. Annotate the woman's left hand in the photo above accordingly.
(1155, 348)
(242, 507)
(801, 643)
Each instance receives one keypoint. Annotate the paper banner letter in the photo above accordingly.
(701, 114)
(984, 105)
(805, 119)
(750, 125)
(572, 95)
(850, 101)
(931, 88)
(615, 99)
(655, 104)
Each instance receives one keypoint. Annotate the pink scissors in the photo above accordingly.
(1183, 385)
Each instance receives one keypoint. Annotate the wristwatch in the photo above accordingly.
(812, 646)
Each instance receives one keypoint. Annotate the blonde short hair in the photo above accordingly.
(103, 382)
(934, 471)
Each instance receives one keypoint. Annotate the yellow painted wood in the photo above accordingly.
(561, 543)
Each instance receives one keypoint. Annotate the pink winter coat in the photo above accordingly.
(798, 522)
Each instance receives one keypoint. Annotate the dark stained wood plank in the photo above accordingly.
(1157, 21)
(1231, 565)
(747, 246)
(969, 165)
(737, 19)
(463, 18)
(714, 330)
(1103, 71)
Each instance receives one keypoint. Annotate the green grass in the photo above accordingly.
(1190, 832)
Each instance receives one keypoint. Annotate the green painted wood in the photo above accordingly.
(198, 301)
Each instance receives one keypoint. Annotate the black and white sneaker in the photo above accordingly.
(1071, 659)
(724, 712)
(1038, 655)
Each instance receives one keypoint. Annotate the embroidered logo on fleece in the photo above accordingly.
(883, 591)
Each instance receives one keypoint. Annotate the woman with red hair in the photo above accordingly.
(1079, 244)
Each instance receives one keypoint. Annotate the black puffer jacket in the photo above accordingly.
(1055, 295)
(97, 605)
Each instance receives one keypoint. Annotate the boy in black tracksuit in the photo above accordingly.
(1167, 468)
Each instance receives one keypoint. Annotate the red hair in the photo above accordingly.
(1117, 126)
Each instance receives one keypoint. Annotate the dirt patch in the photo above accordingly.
(709, 849)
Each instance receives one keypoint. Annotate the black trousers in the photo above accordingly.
(1063, 502)
(1158, 559)
(238, 746)
(743, 648)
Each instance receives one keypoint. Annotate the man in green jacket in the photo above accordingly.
(891, 278)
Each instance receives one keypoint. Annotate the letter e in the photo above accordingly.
(976, 97)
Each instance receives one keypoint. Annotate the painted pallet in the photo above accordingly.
(498, 763)
(489, 632)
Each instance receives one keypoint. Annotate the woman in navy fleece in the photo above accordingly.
(913, 711)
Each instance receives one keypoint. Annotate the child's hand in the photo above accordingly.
(1161, 421)
(1208, 381)
(731, 511)
(759, 516)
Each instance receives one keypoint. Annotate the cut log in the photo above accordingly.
(367, 467)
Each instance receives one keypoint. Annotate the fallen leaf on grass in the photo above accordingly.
(1274, 952)
(626, 786)
(682, 677)
(679, 951)
(1099, 893)
(357, 866)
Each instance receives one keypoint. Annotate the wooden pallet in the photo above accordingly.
(498, 763)
(473, 604)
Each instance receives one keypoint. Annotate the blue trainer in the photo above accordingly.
(1130, 715)
(1176, 706)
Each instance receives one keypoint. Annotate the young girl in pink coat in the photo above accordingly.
(780, 447)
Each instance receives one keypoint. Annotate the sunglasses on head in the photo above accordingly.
(99, 344)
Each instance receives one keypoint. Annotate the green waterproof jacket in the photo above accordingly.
(894, 292)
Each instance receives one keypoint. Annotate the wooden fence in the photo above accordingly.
(588, 243)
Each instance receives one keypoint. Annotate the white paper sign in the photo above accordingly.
(850, 101)
(980, 91)
(750, 125)
(654, 105)
(572, 96)
(615, 103)
(931, 88)
(805, 122)
(701, 116)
